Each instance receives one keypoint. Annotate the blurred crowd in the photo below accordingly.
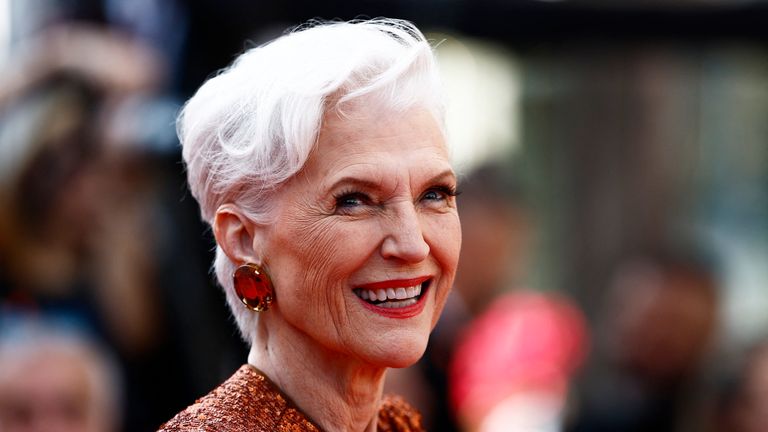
(97, 233)
(110, 321)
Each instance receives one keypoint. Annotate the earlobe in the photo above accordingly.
(236, 234)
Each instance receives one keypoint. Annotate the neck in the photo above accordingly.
(335, 391)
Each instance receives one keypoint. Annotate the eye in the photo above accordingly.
(440, 193)
(350, 201)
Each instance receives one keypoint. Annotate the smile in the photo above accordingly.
(396, 298)
(391, 297)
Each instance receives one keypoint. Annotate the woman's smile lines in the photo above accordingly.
(391, 297)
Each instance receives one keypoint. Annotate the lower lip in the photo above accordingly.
(403, 312)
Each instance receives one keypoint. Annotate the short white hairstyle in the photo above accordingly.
(252, 127)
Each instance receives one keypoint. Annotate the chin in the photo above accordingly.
(404, 362)
(405, 353)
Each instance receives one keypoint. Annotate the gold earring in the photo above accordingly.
(254, 287)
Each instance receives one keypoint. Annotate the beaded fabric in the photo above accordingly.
(249, 402)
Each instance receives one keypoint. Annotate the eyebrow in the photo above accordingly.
(362, 183)
(448, 174)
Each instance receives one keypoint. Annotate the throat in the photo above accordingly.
(315, 379)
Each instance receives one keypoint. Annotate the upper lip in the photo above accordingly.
(395, 283)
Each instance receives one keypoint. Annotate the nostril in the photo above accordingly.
(405, 240)
(412, 249)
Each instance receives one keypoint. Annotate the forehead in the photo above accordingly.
(366, 137)
(48, 373)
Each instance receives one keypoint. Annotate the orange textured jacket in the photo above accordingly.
(249, 402)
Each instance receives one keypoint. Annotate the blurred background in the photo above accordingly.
(614, 163)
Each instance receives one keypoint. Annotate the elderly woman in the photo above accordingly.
(320, 162)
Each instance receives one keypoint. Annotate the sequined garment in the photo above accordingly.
(249, 402)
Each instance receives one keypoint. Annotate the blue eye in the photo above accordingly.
(351, 200)
(348, 201)
(439, 193)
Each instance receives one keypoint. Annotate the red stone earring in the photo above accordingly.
(253, 287)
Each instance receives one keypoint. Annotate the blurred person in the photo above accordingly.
(661, 319)
(499, 230)
(501, 355)
(62, 205)
(84, 227)
(743, 404)
(319, 160)
(69, 187)
(112, 61)
(55, 380)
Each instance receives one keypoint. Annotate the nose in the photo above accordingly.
(405, 237)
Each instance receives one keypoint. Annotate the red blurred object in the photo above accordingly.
(525, 342)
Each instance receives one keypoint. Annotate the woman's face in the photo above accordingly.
(366, 240)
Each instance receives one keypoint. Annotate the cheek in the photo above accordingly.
(306, 275)
(322, 253)
(306, 260)
(444, 237)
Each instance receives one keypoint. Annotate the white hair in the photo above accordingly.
(253, 126)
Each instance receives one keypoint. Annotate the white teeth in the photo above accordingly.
(391, 297)
(397, 304)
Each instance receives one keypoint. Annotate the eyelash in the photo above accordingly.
(446, 191)
(341, 197)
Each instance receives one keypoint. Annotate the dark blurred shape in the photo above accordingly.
(664, 314)
(55, 379)
(72, 196)
(92, 227)
(496, 234)
(659, 327)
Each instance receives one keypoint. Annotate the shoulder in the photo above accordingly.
(396, 415)
(247, 401)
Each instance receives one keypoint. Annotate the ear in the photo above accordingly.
(237, 235)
